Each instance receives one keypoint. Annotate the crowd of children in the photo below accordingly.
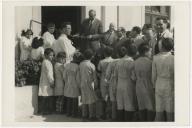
(130, 83)
(142, 86)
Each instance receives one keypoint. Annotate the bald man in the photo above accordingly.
(110, 36)
(91, 29)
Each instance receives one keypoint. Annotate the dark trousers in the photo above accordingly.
(45, 104)
(59, 104)
(114, 110)
(88, 110)
(146, 115)
(71, 106)
(125, 116)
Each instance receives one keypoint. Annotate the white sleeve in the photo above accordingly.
(47, 40)
(49, 72)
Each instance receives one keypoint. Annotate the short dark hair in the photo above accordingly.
(36, 43)
(61, 55)
(122, 51)
(147, 26)
(136, 29)
(108, 51)
(92, 11)
(64, 24)
(88, 54)
(167, 43)
(128, 33)
(165, 20)
(131, 49)
(23, 32)
(77, 57)
(122, 29)
(50, 25)
(143, 48)
(48, 51)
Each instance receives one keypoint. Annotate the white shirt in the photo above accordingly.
(167, 34)
(48, 39)
(25, 47)
(63, 44)
(37, 53)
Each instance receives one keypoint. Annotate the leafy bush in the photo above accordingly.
(27, 72)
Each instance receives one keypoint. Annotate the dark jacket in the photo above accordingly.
(95, 30)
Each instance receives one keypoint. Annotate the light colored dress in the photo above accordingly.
(163, 79)
(36, 54)
(88, 80)
(102, 66)
(126, 97)
(144, 88)
(72, 80)
(110, 77)
(48, 40)
(59, 81)
(46, 79)
(63, 44)
(25, 47)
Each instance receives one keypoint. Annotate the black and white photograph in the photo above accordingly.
(96, 63)
(85, 65)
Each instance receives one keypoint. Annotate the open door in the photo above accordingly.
(60, 14)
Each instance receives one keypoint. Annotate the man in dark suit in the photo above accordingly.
(91, 30)
(121, 40)
(110, 36)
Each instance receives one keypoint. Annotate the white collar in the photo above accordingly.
(163, 33)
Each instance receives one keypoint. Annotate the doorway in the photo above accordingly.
(60, 14)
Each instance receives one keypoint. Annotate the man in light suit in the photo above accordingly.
(162, 28)
(91, 30)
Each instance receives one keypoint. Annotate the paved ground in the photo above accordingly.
(48, 118)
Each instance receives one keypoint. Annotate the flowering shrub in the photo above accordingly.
(27, 72)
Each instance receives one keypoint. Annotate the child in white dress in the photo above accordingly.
(37, 52)
(102, 67)
(126, 97)
(72, 84)
(46, 83)
(144, 89)
(110, 78)
(88, 85)
(48, 36)
(25, 44)
(163, 81)
(59, 82)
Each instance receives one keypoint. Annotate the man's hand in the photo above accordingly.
(52, 85)
(89, 37)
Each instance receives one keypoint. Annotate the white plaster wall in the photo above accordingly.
(22, 18)
(130, 16)
(110, 16)
(172, 16)
(23, 15)
(26, 101)
(36, 15)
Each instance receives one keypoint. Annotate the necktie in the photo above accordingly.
(157, 44)
(90, 24)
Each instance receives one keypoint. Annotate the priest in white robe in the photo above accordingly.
(64, 44)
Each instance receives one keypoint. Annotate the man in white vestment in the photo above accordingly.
(64, 44)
